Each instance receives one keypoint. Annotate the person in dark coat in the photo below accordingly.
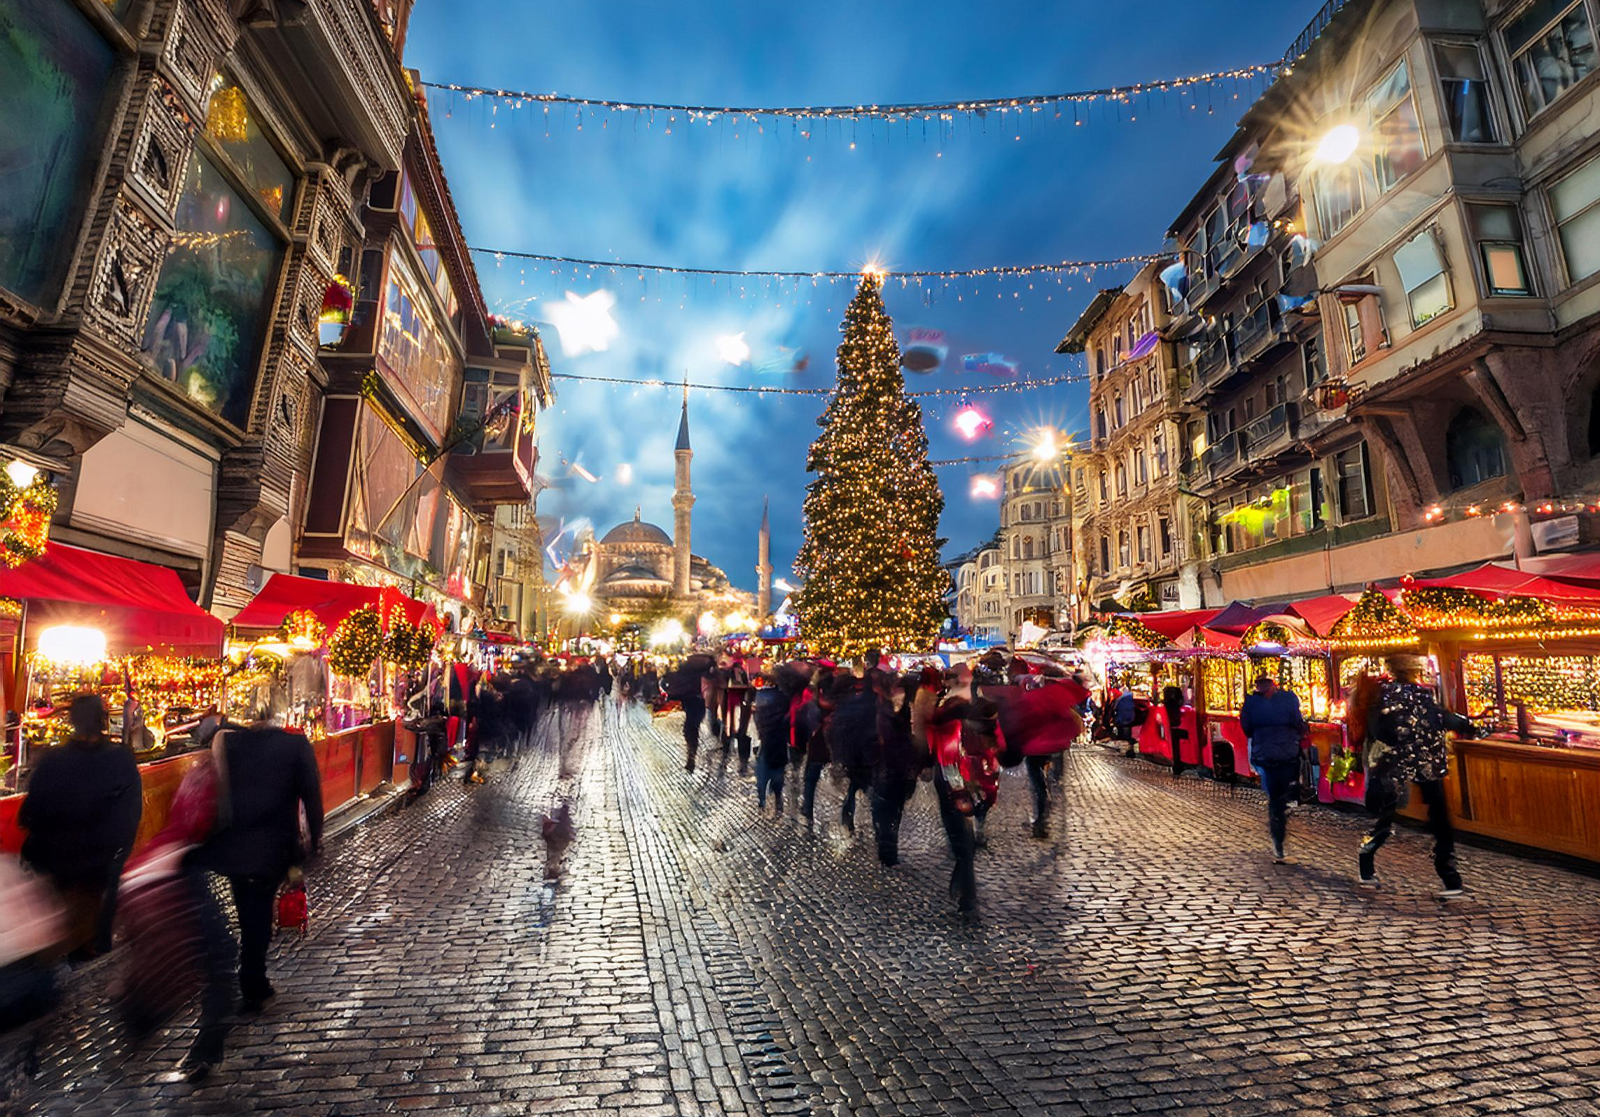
(853, 739)
(894, 777)
(266, 777)
(1272, 723)
(1123, 714)
(774, 728)
(1406, 744)
(812, 731)
(81, 814)
(686, 686)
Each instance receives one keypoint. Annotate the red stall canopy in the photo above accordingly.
(1322, 613)
(137, 605)
(329, 602)
(1499, 580)
(1173, 622)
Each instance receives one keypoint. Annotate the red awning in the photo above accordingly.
(329, 602)
(1322, 613)
(1174, 622)
(137, 605)
(1498, 580)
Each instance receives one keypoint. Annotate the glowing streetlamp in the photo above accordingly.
(1046, 449)
(1338, 145)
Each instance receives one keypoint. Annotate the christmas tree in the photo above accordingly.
(870, 558)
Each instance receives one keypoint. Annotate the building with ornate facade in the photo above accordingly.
(1131, 515)
(1035, 545)
(190, 179)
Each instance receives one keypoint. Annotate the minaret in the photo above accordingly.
(764, 567)
(682, 502)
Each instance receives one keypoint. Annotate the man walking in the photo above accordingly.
(265, 776)
(1406, 744)
(1274, 726)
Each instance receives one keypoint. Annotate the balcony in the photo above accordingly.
(1221, 457)
(1258, 333)
(1213, 361)
(1260, 437)
(338, 53)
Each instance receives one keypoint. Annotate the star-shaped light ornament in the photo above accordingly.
(733, 349)
(584, 322)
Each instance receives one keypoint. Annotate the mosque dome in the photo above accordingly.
(636, 531)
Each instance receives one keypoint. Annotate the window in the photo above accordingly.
(1316, 368)
(1027, 547)
(1105, 493)
(1138, 396)
(1364, 330)
(1100, 422)
(1144, 542)
(1355, 484)
(212, 308)
(1118, 415)
(233, 122)
(1422, 274)
(1124, 550)
(1141, 473)
(1464, 89)
(1164, 530)
(1396, 134)
(1337, 190)
(1105, 554)
(1498, 233)
(1158, 449)
(55, 69)
(1016, 547)
(1099, 363)
(1474, 449)
(1122, 480)
(1552, 48)
(1576, 202)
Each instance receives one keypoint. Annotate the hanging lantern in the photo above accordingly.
(227, 118)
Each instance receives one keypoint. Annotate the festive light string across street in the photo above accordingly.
(760, 390)
(1062, 267)
(925, 111)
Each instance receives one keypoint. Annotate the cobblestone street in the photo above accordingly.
(697, 958)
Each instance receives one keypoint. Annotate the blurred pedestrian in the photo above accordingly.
(267, 779)
(81, 815)
(853, 739)
(1406, 744)
(1273, 725)
(775, 709)
(686, 686)
(894, 777)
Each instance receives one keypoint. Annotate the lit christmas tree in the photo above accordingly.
(870, 559)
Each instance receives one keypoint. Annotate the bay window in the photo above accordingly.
(1423, 275)
(1575, 201)
(1396, 132)
(1497, 231)
(1552, 49)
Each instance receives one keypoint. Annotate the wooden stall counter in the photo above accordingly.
(1533, 795)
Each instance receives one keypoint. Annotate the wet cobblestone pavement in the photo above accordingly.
(697, 958)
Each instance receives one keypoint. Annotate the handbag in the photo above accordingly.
(293, 910)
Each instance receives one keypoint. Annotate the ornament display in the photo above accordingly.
(25, 512)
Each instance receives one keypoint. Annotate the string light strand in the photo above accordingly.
(757, 389)
(918, 110)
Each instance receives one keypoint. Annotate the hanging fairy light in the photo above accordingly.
(985, 486)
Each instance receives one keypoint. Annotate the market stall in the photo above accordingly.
(77, 621)
(339, 662)
(1145, 654)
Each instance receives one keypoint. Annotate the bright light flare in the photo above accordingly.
(667, 633)
(733, 349)
(1046, 449)
(782, 584)
(1338, 145)
(578, 603)
(710, 623)
(584, 322)
(72, 644)
(21, 473)
(624, 474)
(985, 487)
(971, 422)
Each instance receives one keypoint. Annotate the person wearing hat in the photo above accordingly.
(1406, 744)
(1274, 726)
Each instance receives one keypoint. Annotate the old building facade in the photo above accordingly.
(1131, 518)
(1390, 321)
(171, 325)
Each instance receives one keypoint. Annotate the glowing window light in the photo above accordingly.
(72, 644)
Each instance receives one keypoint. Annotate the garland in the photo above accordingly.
(24, 518)
(408, 646)
(1451, 607)
(1127, 628)
(1374, 622)
(356, 643)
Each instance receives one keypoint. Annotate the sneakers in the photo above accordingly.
(1451, 890)
(1278, 856)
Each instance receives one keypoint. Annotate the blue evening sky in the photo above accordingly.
(702, 196)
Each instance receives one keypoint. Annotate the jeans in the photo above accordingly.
(1036, 766)
(1439, 825)
(813, 774)
(958, 829)
(1278, 780)
(889, 798)
(769, 777)
(694, 713)
(253, 898)
(860, 780)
